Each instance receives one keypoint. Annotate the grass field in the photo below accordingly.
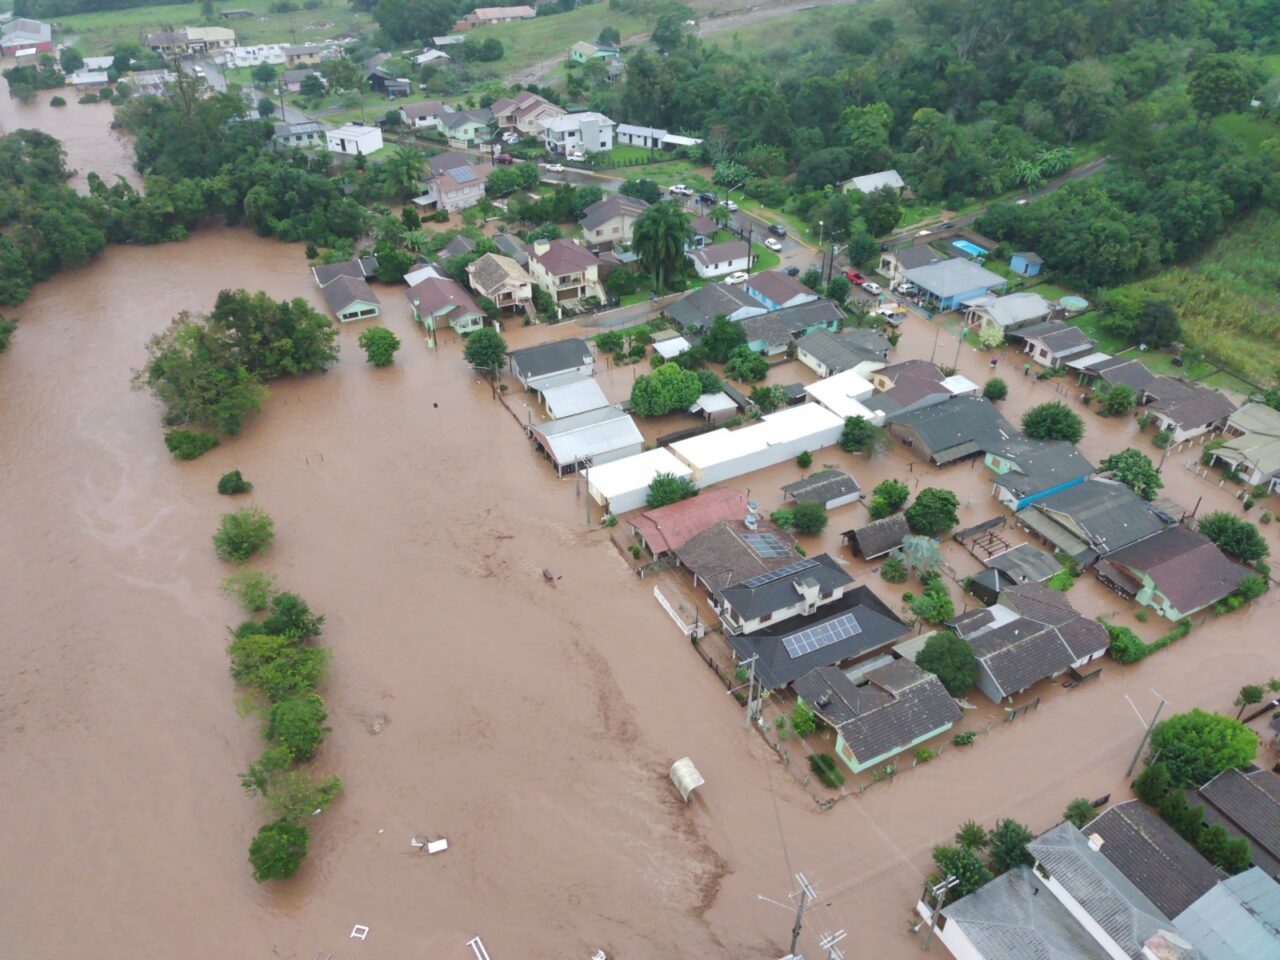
(96, 32)
(528, 42)
(1248, 130)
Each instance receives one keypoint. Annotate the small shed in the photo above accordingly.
(831, 488)
(1025, 264)
(671, 347)
(715, 406)
(686, 777)
(878, 537)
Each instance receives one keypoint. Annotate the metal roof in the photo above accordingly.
(590, 434)
(1237, 919)
(952, 277)
(578, 396)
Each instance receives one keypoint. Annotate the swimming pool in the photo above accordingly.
(970, 248)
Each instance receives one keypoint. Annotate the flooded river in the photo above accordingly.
(531, 725)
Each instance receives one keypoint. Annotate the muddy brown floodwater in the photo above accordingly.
(531, 725)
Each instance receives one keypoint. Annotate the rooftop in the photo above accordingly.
(879, 536)
(822, 487)
(670, 527)
(1185, 566)
(957, 427)
(838, 353)
(493, 270)
(776, 286)
(950, 278)
(1238, 919)
(344, 291)
(720, 555)
(1096, 517)
(590, 434)
(920, 255)
(1014, 308)
(636, 473)
(578, 396)
(764, 594)
(1251, 804)
(716, 253)
(563, 257)
(548, 358)
(1025, 563)
(1192, 406)
(613, 205)
(1039, 465)
(435, 295)
(870, 182)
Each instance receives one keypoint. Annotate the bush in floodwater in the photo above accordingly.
(252, 589)
(824, 765)
(279, 667)
(233, 483)
(278, 850)
(291, 615)
(298, 726)
(57, 102)
(189, 444)
(965, 738)
(242, 534)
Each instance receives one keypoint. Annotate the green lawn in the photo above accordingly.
(1248, 130)
(1106, 342)
(96, 32)
(619, 155)
(528, 42)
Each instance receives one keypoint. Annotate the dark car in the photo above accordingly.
(707, 198)
(777, 229)
(792, 271)
(504, 158)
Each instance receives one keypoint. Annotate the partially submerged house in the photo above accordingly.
(1176, 572)
(1054, 343)
(699, 309)
(796, 590)
(857, 629)
(827, 353)
(1247, 804)
(1093, 519)
(878, 537)
(955, 429)
(1007, 313)
(502, 280)
(831, 488)
(1028, 470)
(438, 299)
(566, 270)
(586, 439)
(1252, 448)
(846, 395)
(664, 530)
(1032, 634)
(350, 298)
(946, 285)
(571, 395)
(723, 454)
(533, 364)
(623, 485)
(880, 713)
(1187, 409)
(773, 333)
(777, 291)
(733, 551)
(1017, 565)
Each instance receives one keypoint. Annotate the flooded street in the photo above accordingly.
(84, 129)
(531, 725)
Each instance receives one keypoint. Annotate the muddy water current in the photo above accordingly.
(530, 724)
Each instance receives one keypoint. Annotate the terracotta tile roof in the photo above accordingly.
(668, 528)
(564, 256)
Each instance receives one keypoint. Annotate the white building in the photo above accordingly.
(588, 132)
(353, 140)
(719, 259)
(844, 393)
(253, 56)
(777, 437)
(624, 484)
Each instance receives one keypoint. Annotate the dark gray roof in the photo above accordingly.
(1129, 372)
(548, 358)
(1021, 653)
(957, 427)
(1185, 566)
(613, 205)
(750, 600)
(1060, 339)
(806, 315)
(1152, 856)
(512, 247)
(1110, 898)
(1014, 917)
(879, 536)
(1041, 465)
(822, 487)
(1104, 515)
(702, 306)
(766, 327)
(878, 628)
(459, 246)
(898, 704)
(326, 272)
(344, 291)
(865, 340)
(1192, 406)
(918, 256)
(1083, 637)
(1025, 563)
(838, 353)
(1251, 803)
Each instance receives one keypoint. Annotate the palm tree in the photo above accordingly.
(403, 170)
(415, 241)
(660, 236)
(1054, 160)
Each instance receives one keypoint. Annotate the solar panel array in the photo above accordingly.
(822, 635)
(766, 545)
(781, 572)
(463, 174)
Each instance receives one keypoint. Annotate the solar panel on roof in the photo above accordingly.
(822, 635)
(781, 572)
(766, 545)
(463, 174)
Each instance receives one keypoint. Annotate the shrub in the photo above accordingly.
(1133, 468)
(1152, 784)
(950, 658)
(964, 739)
(803, 722)
(278, 850)
(290, 615)
(1079, 812)
(667, 488)
(893, 570)
(1140, 616)
(923, 754)
(1237, 538)
(746, 365)
(971, 836)
(379, 345)
(1053, 421)
(1008, 845)
(297, 725)
(294, 794)
(277, 666)
(1197, 746)
(933, 604)
(995, 389)
(933, 511)
(1161, 439)
(242, 534)
(825, 766)
(1187, 820)
(189, 444)
(1062, 581)
(1230, 853)
(784, 518)
(962, 864)
(233, 483)
(893, 494)
(805, 460)
(57, 102)
(809, 517)
(609, 521)
(252, 589)
(860, 435)
(635, 552)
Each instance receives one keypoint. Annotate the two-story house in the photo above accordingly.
(522, 113)
(566, 270)
(588, 132)
(456, 182)
(610, 221)
(502, 280)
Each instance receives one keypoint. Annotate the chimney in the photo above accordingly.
(1095, 842)
(540, 247)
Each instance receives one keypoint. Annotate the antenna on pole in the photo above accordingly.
(939, 891)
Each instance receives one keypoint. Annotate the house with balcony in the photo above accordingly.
(566, 270)
(588, 132)
(502, 280)
(522, 113)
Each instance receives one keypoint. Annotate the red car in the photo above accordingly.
(504, 158)
(853, 276)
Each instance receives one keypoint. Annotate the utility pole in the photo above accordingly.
(751, 687)
(936, 334)
(586, 482)
(938, 890)
(806, 894)
(1145, 736)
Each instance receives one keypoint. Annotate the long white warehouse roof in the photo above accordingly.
(634, 473)
(722, 446)
(843, 394)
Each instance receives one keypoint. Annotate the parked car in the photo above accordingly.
(504, 158)
(555, 167)
(575, 156)
(893, 314)
(680, 190)
(853, 276)
(777, 229)
(774, 245)
(871, 288)
(792, 271)
(739, 277)
(946, 226)
(511, 137)
(730, 205)
(707, 198)
(923, 233)
(906, 287)
(1022, 202)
